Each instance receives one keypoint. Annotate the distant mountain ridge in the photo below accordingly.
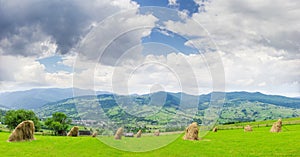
(35, 98)
(2, 107)
(272, 99)
(238, 106)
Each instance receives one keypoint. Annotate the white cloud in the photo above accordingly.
(125, 4)
(184, 14)
(258, 41)
(27, 24)
(174, 72)
(254, 69)
(116, 35)
(29, 41)
(33, 41)
(18, 73)
(259, 48)
(173, 2)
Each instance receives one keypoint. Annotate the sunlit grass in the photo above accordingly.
(234, 142)
(146, 143)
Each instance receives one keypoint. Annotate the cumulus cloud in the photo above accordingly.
(33, 29)
(175, 72)
(19, 73)
(256, 42)
(259, 42)
(24, 25)
(271, 23)
(115, 35)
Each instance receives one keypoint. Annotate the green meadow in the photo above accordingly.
(227, 142)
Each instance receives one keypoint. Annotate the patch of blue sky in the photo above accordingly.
(188, 5)
(162, 14)
(161, 3)
(54, 64)
(162, 42)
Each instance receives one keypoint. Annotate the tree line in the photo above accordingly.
(58, 123)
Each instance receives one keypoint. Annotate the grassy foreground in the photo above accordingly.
(233, 142)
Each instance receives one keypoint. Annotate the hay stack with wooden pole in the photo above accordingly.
(94, 134)
(156, 133)
(139, 134)
(23, 132)
(119, 133)
(277, 126)
(248, 128)
(74, 131)
(191, 132)
(215, 129)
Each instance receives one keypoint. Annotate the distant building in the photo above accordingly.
(129, 134)
(84, 132)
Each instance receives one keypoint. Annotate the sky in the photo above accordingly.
(143, 46)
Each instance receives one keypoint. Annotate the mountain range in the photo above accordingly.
(35, 98)
(154, 108)
(165, 107)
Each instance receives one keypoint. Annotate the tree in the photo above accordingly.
(59, 123)
(14, 117)
(2, 115)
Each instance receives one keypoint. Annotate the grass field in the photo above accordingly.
(234, 142)
(266, 123)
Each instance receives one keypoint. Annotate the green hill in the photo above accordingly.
(173, 109)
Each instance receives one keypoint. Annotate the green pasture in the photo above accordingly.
(231, 142)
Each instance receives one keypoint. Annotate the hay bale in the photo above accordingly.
(247, 128)
(119, 133)
(156, 133)
(277, 126)
(74, 131)
(215, 129)
(139, 134)
(94, 134)
(191, 132)
(23, 132)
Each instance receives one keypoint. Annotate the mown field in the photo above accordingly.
(266, 123)
(231, 142)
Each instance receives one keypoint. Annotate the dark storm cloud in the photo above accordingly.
(29, 21)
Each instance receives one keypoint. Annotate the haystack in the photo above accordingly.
(23, 132)
(276, 126)
(191, 132)
(247, 128)
(119, 133)
(94, 134)
(139, 134)
(73, 132)
(215, 129)
(156, 133)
